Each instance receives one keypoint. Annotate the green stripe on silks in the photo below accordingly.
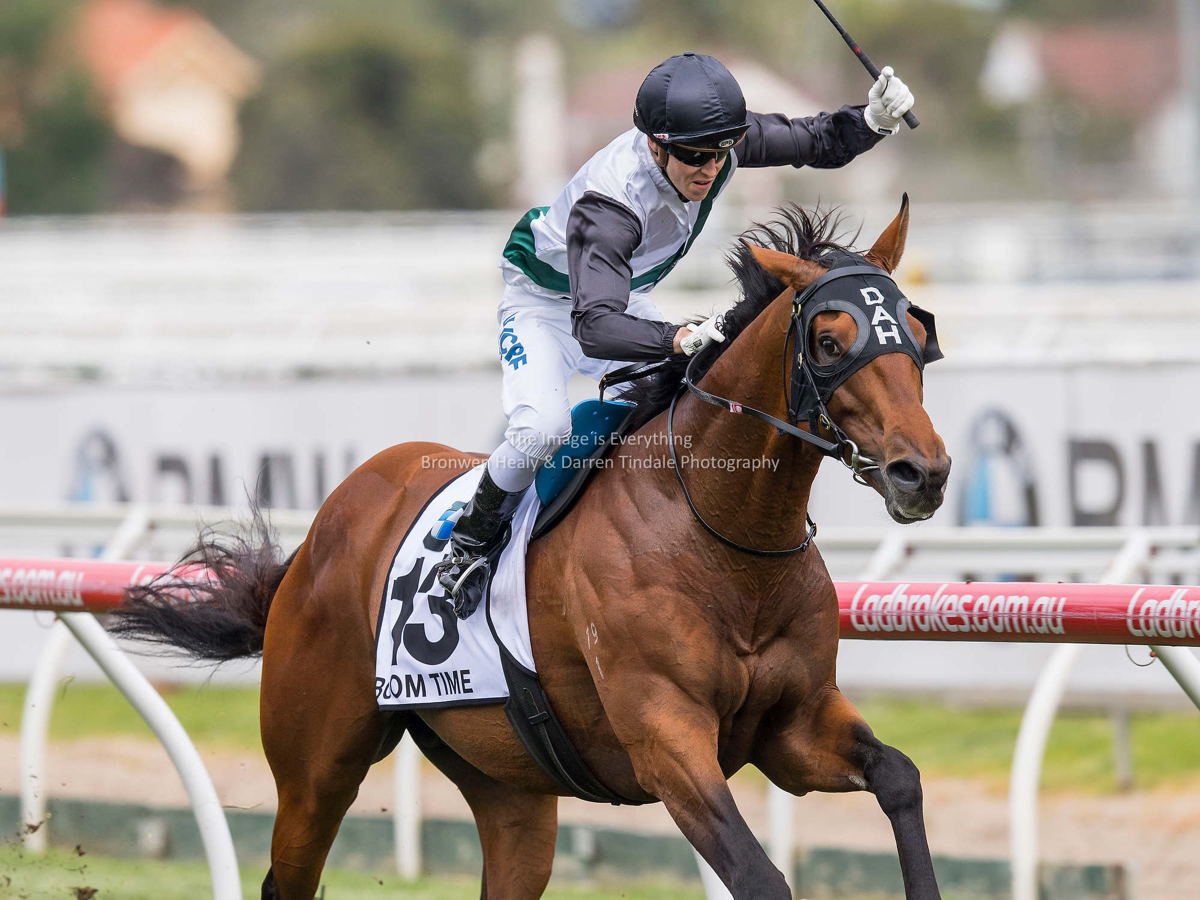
(521, 252)
(659, 272)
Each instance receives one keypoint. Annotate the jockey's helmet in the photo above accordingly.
(692, 100)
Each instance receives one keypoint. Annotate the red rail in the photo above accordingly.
(937, 611)
(70, 585)
(1021, 611)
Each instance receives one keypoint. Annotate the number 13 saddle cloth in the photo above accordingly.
(424, 655)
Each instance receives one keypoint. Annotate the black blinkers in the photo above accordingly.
(880, 311)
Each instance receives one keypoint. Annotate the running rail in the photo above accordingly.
(1167, 615)
(1160, 616)
(104, 583)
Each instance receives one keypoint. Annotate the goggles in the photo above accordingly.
(694, 158)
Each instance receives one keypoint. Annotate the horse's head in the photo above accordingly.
(860, 352)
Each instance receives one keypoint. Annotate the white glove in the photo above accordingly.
(702, 335)
(887, 102)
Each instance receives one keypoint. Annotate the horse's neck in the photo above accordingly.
(760, 495)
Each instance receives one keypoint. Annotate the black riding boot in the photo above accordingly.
(465, 571)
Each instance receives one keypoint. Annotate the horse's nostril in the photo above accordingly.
(905, 475)
(937, 475)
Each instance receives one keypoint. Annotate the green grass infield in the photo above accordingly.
(951, 741)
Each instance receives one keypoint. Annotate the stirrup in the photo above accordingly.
(454, 585)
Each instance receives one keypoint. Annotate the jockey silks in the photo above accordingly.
(619, 227)
(535, 257)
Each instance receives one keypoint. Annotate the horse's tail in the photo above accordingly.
(220, 614)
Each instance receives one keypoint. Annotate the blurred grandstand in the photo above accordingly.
(174, 299)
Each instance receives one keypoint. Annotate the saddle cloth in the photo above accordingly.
(424, 655)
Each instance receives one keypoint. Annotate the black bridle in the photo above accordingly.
(806, 391)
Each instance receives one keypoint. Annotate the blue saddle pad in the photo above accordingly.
(593, 422)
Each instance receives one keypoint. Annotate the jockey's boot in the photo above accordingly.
(466, 568)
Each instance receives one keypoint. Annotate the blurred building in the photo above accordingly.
(173, 84)
(1126, 76)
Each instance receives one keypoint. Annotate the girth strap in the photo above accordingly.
(529, 713)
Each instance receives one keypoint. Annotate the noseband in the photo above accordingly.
(880, 311)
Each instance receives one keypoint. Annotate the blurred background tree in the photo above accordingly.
(402, 104)
(53, 131)
(355, 116)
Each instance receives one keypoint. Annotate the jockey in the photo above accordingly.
(578, 272)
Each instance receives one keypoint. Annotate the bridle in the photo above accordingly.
(803, 384)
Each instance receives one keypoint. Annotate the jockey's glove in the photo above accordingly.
(703, 334)
(887, 102)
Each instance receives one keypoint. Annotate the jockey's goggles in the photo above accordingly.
(694, 157)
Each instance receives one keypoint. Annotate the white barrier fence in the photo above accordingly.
(870, 609)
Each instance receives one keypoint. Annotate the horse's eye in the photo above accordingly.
(829, 345)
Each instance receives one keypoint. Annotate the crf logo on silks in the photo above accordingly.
(873, 297)
(512, 351)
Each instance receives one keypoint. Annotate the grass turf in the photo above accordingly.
(946, 741)
(213, 715)
(63, 875)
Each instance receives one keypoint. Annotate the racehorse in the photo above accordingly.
(674, 653)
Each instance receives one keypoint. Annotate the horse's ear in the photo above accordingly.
(791, 270)
(890, 247)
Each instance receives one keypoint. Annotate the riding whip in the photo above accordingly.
(909, 119)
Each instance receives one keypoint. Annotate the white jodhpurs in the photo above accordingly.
(538, 356)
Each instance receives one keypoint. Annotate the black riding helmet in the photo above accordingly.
(691, 99)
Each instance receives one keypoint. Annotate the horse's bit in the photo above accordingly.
(880, 311)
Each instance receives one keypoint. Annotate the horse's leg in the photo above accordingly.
(672, 742)
(321, 726)
(317, 775)
(831, 748)
(517, 828)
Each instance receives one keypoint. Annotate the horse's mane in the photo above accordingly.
(796, 231)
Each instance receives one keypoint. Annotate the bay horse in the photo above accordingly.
(671, 658)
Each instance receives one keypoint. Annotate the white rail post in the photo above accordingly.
(887, 558)
(35, 726)
(210, 817)
(714, 887)
(1184, 667)
(781, 831)
(1035, 732)
(407, 800)
(1027, 768)
(39, 697)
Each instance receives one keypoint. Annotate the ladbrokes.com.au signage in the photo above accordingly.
(1016, 611)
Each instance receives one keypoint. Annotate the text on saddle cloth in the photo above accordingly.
(424, 655)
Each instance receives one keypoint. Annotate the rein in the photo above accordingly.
(799, 384)
(728, 405)
(840, 448)
(836, 449)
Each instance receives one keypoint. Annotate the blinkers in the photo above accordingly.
(880, 310)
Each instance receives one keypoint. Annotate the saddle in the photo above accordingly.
(596, 427)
